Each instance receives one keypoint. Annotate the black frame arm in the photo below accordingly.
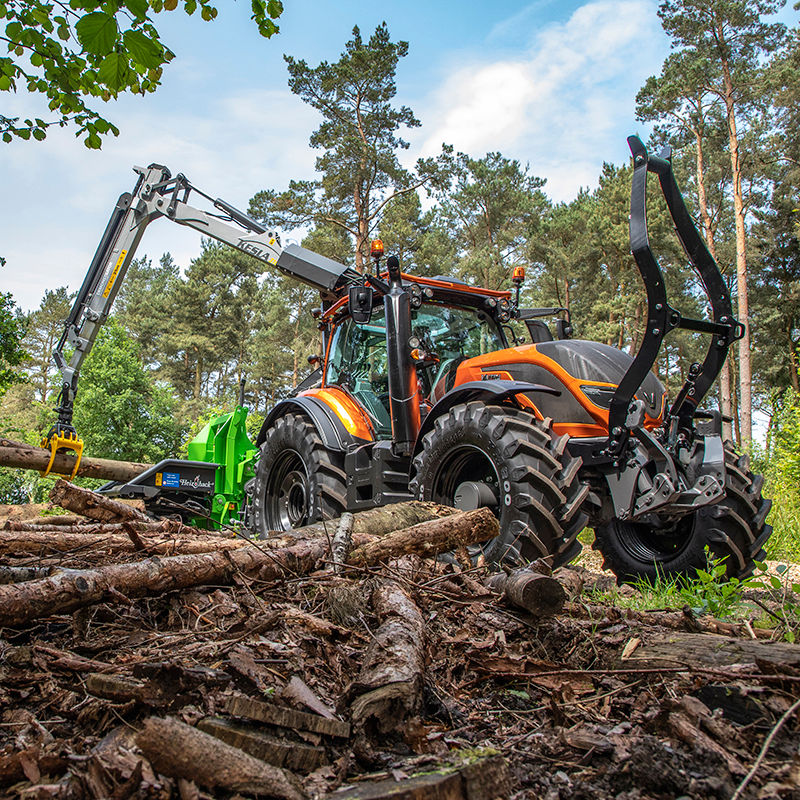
(661, 317)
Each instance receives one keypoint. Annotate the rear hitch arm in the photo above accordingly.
(724, 328)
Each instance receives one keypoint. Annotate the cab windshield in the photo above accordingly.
(357, 357)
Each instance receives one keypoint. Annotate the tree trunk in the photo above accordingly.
(180, 751)
(745, 372)
(93, 505)
(26, 456)
(708, 232)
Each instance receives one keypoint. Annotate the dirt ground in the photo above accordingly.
(564, 700)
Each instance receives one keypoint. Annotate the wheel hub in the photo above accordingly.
(470, 495)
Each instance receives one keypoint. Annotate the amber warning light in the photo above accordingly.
(376, 249)
(519, 275)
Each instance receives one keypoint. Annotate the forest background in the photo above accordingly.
(183, 336)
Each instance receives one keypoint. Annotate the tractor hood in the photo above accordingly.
(572, 366)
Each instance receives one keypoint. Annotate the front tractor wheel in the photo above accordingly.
(298, 480)
(503, 458)
(734, 529)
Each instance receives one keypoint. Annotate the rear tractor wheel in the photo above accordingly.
(503, 458)
(734, 529)
(298, 480)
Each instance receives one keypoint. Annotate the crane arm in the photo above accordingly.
(157, 194)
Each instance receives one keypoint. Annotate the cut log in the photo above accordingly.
(429, 538)
(388, 688)
(90, 504)
(280, 753)
(27, 456)
(485, 779)
(537, 594)
(180, 751)
(282, 717)
(116, 583)
(711, 650)
(42, 542)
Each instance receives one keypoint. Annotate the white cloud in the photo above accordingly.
(566, 107)
(57, 195)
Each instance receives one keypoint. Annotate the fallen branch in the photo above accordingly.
(429, 538)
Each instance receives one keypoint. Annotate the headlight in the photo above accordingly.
(600, 395)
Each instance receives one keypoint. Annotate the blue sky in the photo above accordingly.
(550, 83)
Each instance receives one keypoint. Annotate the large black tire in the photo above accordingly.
(298, 480)
(504, 458)
(735, 529)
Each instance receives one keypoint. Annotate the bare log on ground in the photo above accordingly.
(388, 688)
(429, 538)
(56, 541)
(27, 456)
(535, 593)
(180, 751)
(116, 583)
(711, 650)
(90, 504)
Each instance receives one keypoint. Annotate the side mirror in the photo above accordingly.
(314, 360)
(360, 300)
(563, 329)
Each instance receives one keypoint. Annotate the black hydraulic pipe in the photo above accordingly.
(403, 400)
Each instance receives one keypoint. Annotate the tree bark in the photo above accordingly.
(180, 751)
(95, 506)
(25, 456)
(388, 688)
(67, 592)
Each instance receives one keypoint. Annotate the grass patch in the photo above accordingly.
(784, 516)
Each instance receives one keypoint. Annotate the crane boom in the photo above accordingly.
(157, 194)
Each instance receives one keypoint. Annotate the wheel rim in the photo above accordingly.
(287, 493)
(649, 544)
(466, 464)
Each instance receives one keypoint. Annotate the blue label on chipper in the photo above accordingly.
(171, 479)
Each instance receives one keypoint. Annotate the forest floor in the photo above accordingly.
(598, 701)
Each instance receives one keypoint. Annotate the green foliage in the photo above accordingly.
(44, 328)
(12, 331)
(74, 53)
(360, 173)
(120, 411)
(492, 208)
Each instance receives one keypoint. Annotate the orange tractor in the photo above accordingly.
(424, 391)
